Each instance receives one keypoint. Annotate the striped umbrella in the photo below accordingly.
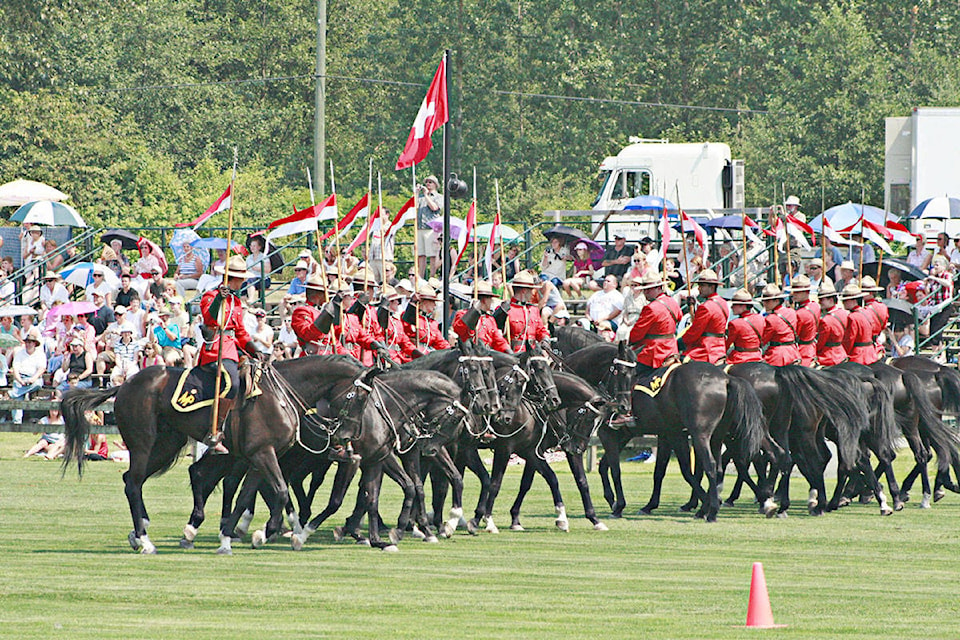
(46, 212)
(939, 208)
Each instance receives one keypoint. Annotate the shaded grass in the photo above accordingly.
(67, 570)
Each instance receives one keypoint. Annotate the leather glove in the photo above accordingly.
(358, 309)
(383, 316)
(418, 354)
(363, 298)
(501, 313)
(224, 290)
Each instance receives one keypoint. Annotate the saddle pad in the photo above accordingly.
(652, 384)
(194, 389)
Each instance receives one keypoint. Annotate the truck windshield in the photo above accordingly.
(602, 179)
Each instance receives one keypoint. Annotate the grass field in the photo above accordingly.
(66, 569)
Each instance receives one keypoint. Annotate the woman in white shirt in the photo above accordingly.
(29, 364)
(920, 256)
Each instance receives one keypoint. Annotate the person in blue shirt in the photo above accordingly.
(167, 335)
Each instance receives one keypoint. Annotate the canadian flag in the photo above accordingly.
(832, 233)
(877, 234)
(689, 224)
(407, 212)
(371, 227)
(468, 229)
(432, 114)
(222, 204)
(346, 221)
(795, 228)
(303, 221)
(900, 232)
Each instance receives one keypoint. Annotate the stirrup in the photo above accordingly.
(212, 440)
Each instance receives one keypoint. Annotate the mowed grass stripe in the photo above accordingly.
(67, 570)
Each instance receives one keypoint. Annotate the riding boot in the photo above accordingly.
(224, 409)
(341, 453)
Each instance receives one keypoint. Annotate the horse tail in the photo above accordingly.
(884, 419)
(809, 391)
(949, 380)
(944, 441)
(73, 407)
(744, 407)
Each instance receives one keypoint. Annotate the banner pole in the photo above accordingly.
(222, 320)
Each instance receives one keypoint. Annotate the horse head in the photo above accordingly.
(512, 382)
(478, 380)
(620, 379)
(582, 422)
(538, 366)
(442, 422)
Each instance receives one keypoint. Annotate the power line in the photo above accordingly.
(399, 83)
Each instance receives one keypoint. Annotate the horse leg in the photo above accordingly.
(472, 461)
(341, 482)
(371, 479)
(659, 471)
(205, 474)
(694, 500)
(550, 476)
(610, 465)
(439, 487)
(707, 461)
(526, 481)
(444, 467)
(231, 484)
(158, 455)
(575, 462)
(501, 456)
(863, 464)
(411, 464)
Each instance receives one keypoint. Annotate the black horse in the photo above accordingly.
(568, 340)
(154, 432)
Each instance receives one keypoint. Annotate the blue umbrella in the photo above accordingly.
(216, 243)
(649, 203)
(47, 212)
(846, 215)
(723, 222)
(939, 208)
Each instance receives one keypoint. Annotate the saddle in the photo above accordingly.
(194, 388)
(652, 383)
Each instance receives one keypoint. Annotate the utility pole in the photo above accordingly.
(320, 100)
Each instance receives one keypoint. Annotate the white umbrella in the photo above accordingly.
(20, 192)
(52, 214)
(81, 274)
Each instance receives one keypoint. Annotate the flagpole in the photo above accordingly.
(416, 256)
(864, 243)
(666, 221)
(323, 259)
(445, 261)
(366, 240)
(823, 246)
(786, 235)
(339, 262)
(776, 241)
(683, 245)
(503, 264)
(476, 256)
(223, 314)
(743, 228)
(383, 232)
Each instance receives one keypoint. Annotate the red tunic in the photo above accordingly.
(426, 336)
(397, 342)
(808, 321)
(744, 335)
(235, 335)
(879, 316)
(355, 338)
(302, 322)
(780, 337)
(858, 338)
(833, 324)
(524, 323)
(654, 333)
(487, 331)
(372, 326)
(705, 339)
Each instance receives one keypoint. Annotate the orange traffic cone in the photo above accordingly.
(759, 614)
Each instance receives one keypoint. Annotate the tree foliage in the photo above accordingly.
(134, 107)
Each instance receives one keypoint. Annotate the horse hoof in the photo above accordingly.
(905, 496)
(363, 542)
(866, 498)
(396, 536)
(431, 539)
(619, 514)
(134, 541)
(296, 543)
(925, 503)
(563, 525)
(338, 534)
(244, 525)
(727, 503)
(769, 508)
(492, 528)
(417, 534)
(782, 515)
(599, 526)
(473, 527)
(844, 502)
(711, 518)
(148, 549)
(224, 551)
(642, 512)
(517, 527)
(186, 544)
(446, 531)
(886, 511)
(898, 505)
(939, 494)
(259, 539)
(686, 508)
(391, 548)
(699, 515)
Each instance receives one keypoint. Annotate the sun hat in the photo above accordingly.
(800, 283)
(741, 296)
(827, 290)
(708, 276)
(426, 292)
(236, 268)
(33, 335)
(771, 292)
(869, 284)
(484, 288)
(301, 264)
(649, 280)
(850, 292)
(792, 201)
(525, 279)
(52, 275)
(119, 309)
(848, 264)
(126, 327)
(406, 285)
(816, 262)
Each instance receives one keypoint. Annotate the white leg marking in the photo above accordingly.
(190, 533)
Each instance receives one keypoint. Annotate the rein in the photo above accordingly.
(314, 423)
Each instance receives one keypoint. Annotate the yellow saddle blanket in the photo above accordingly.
(652, 384)
(194, 389)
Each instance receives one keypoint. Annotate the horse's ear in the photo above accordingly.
(466, 347)
(622, 349)
(369, 375)
(530, 345)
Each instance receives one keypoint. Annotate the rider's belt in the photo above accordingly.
(714, 335)
(783, 344)
(863, 344)
(659, 336)
(745, 349)
(833, 344)
(806, 341)
(230, 333)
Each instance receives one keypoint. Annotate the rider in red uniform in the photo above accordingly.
(706, 336)
(313, 327)
(877, 311)
(745, 332)
(833, 324)
(523, 320)
(858, 337)
(223, 307)
(421, 328)
(654, 334)
(808, 319)
(479, 323)
(779, 330)
(388, 317)
(366, 313)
